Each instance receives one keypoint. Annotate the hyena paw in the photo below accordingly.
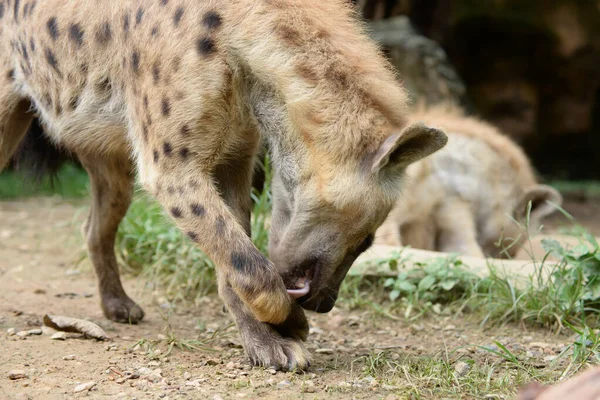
(122, 309)
(279, 346)
(265, 347)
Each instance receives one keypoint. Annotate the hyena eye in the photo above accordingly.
(368, 242)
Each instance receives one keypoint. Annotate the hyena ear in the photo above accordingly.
(541, 197)
(402, 149)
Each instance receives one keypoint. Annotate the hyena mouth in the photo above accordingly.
(301, 286)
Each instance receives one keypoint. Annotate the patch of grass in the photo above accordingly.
(71, 182)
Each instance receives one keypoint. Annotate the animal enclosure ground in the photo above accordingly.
(358, 353)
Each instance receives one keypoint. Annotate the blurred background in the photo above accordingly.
(531, 67)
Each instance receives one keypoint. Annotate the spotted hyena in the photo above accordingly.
(179, 92)
(473, 196)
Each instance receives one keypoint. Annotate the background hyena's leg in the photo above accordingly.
(456, 228)
(15, 119)
(266, 345)
(111, 182)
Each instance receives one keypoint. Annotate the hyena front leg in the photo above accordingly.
(265, 344)
(456, 228)
(184, 186)
(111, 181)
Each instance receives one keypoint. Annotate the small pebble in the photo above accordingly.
(22, 334)
(11, 331)
(160, 336)
(187, 376)
(212, 362)
(69, 357)
(271, 371)
(17, 374)
(144, 371)
(324, 351)
(314, 330)
(154, 363)
(308, 386)
(84, 387)
(461, 368)
(284, 384)
(59, 336)
(35, 331)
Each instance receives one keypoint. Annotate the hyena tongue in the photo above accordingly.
(302, 288)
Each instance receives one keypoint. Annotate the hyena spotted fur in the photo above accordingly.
(179, 92)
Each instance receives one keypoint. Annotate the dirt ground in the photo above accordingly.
(40, 249)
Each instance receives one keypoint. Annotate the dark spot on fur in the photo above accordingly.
(16, 10)
(145, 100)
(51, 58)
(103, 34)
(194, 184)
(165, 107)
(211, 20)
(185, 130)
(154, 31)
(163, 2)
(176, 64)
(126, 24)
(24, 51)
(197, 209)
(135, 61)
(52, 27)
(32, 6)
(178, 15)
(32, 45)
(1, 10)
(289, 35)
(184, 153)
(155, 73)
(192, 236)
(220, 225)
(176, 212)
(170, 189)
(76, 34)
(138, 16)
(145, 132)
(167, 149)
(249, 262)
(103, 85)
(155, 156)
(205, 46)
(11, 74)
(307, 73)
(73, 102)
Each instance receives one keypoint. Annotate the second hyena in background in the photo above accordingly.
(468, 197)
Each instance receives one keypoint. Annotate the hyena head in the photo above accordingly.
(504, 233)
(325, 213)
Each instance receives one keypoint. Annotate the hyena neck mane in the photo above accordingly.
(320, 88)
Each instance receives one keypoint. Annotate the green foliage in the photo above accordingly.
(441, 280)
(71, 182)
